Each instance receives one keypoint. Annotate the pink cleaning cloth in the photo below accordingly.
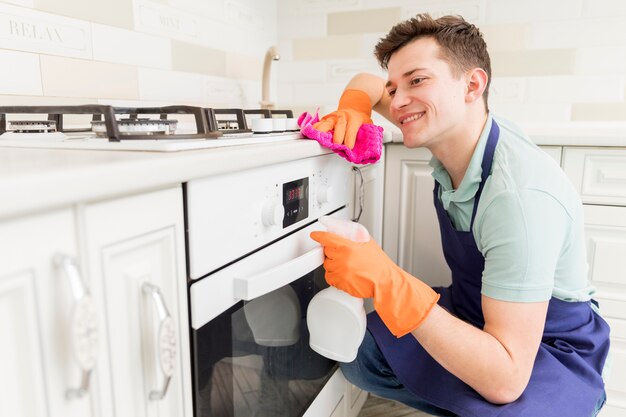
(367, 147)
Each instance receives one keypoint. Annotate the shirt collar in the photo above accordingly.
(471, 181)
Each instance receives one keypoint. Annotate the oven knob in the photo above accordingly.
(323, 194)
(273, 213)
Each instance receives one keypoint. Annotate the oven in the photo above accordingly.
(252, 272)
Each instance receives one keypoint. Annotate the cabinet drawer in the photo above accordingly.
(605, 235)
(598, 174)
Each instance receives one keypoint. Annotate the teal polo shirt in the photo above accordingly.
(529, 221)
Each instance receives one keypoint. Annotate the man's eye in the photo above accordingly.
(391, 92)
(416, 81)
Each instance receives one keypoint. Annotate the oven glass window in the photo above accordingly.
(255, 360)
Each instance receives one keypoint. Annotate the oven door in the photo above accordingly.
(251, 354)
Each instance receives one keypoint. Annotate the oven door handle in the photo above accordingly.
(253, 286)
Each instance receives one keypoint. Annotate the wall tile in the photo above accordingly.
(68, 77)
(505, 37)
(111, 12)
(507, 11)
(111, 44)
(343, 71)
(316, 94)
(571, 89)
(19, 73)
(601, 60)
(166, 21)
(363, 21)
(599, 111)
(24, 3)
(309, 26)
(508, 89)
(331, 47)
(33, 31)
(578, 33)
(532, 62)
(43, 101)
(604, 8)
(305, 7)
(175, 87)
(246, 67)
(529, 111)
(193, 58)
(301, 71)
(224, 92)
(471, 10)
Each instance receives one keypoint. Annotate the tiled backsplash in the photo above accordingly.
(135, 52)
(553, 61)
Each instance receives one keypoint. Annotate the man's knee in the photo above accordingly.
(370, 368)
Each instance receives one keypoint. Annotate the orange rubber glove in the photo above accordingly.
(363, 270)
(354, 109)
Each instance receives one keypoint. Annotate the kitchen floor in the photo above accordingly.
(380, 407)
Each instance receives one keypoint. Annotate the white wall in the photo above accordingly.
(134, 52)
(553, 60)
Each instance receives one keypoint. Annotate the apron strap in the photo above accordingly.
(490, 149)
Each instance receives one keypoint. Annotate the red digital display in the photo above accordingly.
(293, 194)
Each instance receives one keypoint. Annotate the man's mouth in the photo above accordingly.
(412, 118)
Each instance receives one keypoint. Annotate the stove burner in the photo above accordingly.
(32, 126)
(132, 126)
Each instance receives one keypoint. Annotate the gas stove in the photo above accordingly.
(164, 129)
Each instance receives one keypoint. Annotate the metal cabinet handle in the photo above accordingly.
(83, 325)
(166, 340)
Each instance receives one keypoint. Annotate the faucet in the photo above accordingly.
(270, 55)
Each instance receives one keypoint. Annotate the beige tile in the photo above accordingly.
(505, 37)
(44, 101)
(111, 12)
(599, 111)
(245, 67)
(363, 21)
(68, 77)
(331, 47)
(188, 57)
(533, 62)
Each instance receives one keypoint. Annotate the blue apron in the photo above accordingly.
(566, 379)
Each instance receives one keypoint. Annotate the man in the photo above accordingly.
(516, 334)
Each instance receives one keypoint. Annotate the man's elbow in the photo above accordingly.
(505, 393)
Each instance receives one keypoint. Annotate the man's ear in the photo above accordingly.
(476, 83)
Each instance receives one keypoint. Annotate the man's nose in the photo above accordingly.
(399, 99)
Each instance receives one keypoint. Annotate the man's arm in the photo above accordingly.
(374, 87)
(496, 361)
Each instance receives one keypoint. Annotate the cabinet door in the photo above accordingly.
(411, 230)
(38, 320)
(135, 251)
(605, 233)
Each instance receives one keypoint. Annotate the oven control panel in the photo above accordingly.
(231, 215)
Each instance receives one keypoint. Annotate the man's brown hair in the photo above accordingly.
(461, 44)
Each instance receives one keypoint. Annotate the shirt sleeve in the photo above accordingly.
(521, 234)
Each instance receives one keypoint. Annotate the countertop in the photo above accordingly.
(40, 179)
(35, 179)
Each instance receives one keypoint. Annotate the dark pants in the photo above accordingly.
(371, 372)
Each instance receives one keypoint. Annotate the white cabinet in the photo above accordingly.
(113, 313)
(135, 254)
(45, 329)
(410, 229)
(599, 175)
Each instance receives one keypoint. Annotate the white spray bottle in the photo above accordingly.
(336, 320)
